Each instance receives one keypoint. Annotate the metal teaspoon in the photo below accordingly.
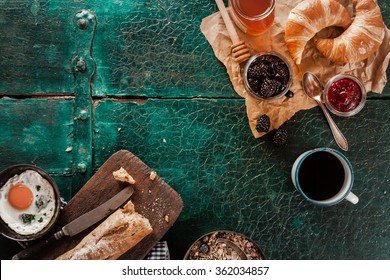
(313, 88)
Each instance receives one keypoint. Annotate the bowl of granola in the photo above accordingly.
(224, 245)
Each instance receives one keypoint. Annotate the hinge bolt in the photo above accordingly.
(81, 65)
(82, 167)
(82, 23)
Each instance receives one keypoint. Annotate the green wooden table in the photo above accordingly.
(80, 80)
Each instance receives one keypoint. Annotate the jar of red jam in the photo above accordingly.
(253, 17)
(344, 95)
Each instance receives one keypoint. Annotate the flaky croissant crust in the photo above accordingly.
(362, 38)
(308, 18)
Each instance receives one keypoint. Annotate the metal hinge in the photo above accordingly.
(83, 68)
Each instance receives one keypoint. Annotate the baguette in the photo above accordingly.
(120, 232)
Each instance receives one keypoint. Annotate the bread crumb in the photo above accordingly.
(123, 176)
(153, 175)
(166, 218)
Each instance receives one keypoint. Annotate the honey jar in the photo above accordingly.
(253, 17)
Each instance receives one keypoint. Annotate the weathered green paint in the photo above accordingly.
(229, 180)
(36, 48)
(148, 64)
(38, 131)
(142, 48)
(84, 70)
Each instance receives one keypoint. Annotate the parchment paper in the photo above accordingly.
(371, 71)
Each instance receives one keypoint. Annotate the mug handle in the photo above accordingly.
(351, 197)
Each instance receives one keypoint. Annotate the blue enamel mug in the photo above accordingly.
(324, 177)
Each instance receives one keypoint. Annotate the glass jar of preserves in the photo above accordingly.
(253, 17)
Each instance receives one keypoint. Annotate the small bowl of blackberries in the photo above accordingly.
(267, 76)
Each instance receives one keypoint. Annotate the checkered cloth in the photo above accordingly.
(159, 252)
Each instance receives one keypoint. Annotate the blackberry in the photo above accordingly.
(267, 76)
(289, 94)
(271, 87)
(282, 75)
(263, 123)
(280, 137)
(256, 71)
(204, 248)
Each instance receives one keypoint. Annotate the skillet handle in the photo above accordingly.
(35, 249)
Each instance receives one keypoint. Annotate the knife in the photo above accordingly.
(81, 223)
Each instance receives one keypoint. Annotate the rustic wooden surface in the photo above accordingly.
(154, 199)
(159, 92)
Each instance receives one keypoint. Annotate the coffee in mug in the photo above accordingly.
(324, 177)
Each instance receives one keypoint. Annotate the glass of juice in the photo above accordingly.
(253, 17)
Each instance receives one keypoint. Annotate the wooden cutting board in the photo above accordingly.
(154, 199)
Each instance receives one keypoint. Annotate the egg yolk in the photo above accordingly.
(20, 196)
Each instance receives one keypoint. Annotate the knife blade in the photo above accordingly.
(81, 223)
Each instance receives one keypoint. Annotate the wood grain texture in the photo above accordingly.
(154, 199)
(153, 68)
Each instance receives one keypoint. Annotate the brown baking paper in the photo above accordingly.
(371, 71)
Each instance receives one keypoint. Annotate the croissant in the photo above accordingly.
(309, 17)
(362, 38)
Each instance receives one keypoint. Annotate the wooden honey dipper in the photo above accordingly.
(240, 51)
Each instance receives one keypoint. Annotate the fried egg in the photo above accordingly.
(27, 202)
